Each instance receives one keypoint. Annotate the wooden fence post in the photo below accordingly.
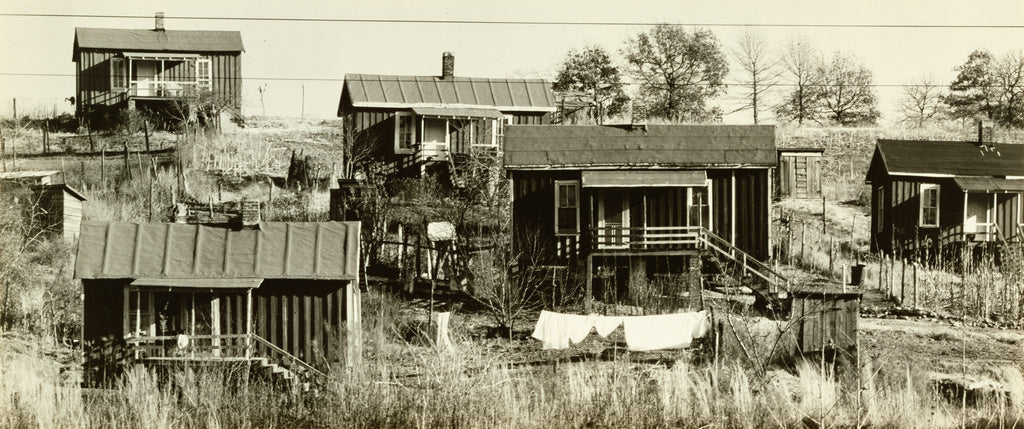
(145, 130)
(103, 168)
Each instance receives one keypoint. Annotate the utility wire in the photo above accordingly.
(514, 22)
(484, 80)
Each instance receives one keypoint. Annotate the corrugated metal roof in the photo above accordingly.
(560, 146)
(313, 250)
(154, 40)
(389, 91)
(464, 112)
(644, 178)
(989, 184)
(951, 158)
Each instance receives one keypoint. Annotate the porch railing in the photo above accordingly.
(160, 88)
(643, 238)
(217, 347)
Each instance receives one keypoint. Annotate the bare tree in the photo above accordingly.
(1008, 77)
(921, 101)
(760, 71)
(847, 91)
(801, 63)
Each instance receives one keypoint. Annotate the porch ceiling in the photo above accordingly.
(160, 56)
(989, 184)
(200, 283)
(644, 178)
(448, 112)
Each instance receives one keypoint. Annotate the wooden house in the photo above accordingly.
(413, 122)
(282, 297)
(944, 196)
(51, 209)
(639, 202)
(799, 173)
(118, 69)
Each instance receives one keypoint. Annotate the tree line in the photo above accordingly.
(679, 73)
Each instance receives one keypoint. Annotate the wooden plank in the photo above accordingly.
(284, 319)
(295, 322)
(307, 325)
(318, 325)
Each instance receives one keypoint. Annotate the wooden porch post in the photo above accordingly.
(215, 322)
(590, 283)
(248, 323)
(732, 210)
(126, 313)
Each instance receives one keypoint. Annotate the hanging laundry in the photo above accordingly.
(664, 331)
(558, 331)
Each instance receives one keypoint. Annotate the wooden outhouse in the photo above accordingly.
(282, 297)
(799, 173)
(825, 319)
(50, 209)
(150, 68)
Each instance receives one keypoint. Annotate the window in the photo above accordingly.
(499, 130)
(700, 207)
(204, 76)
(929, 205)
(567, 207)
(405, 132)
(880, 209)
(118, 76)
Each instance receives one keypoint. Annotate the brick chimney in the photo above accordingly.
(447, 65)
(159, 25)
(985, 137)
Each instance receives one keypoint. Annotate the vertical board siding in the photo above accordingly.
(300, 317)
(826, 322)
(93, 78)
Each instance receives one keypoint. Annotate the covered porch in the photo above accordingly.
(161, 76)
(991, 209)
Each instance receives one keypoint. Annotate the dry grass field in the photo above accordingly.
(908, 372)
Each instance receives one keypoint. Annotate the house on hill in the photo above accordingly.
(281, 297)
(625, 205)
(414, 122)
(118, 69)
(944, 195)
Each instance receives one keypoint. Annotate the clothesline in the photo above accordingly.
(643, 333)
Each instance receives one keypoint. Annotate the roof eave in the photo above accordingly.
(381, 105)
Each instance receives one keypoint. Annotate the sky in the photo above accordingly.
(301, 64)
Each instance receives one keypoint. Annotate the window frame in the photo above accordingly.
(398, 133)
(557, 204)
(928, 187)
(880, 209)
(204, 82)
(123, 74)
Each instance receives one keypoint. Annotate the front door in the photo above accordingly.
(612, 218)
(977, 221)
(145, 77)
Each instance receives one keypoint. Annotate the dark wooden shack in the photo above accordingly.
(120, 69)
(282, 297)
(414, 122)
(945, 196)
(640, 202)
(825, 319)
(799, 173)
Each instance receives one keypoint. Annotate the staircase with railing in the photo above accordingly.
(274, 361)
(769, 284)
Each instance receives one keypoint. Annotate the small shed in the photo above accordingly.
(825, 319)
(59, 211)
(800, 172)
(54, 209)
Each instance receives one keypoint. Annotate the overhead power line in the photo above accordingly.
(519, 22)
(328, 79)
